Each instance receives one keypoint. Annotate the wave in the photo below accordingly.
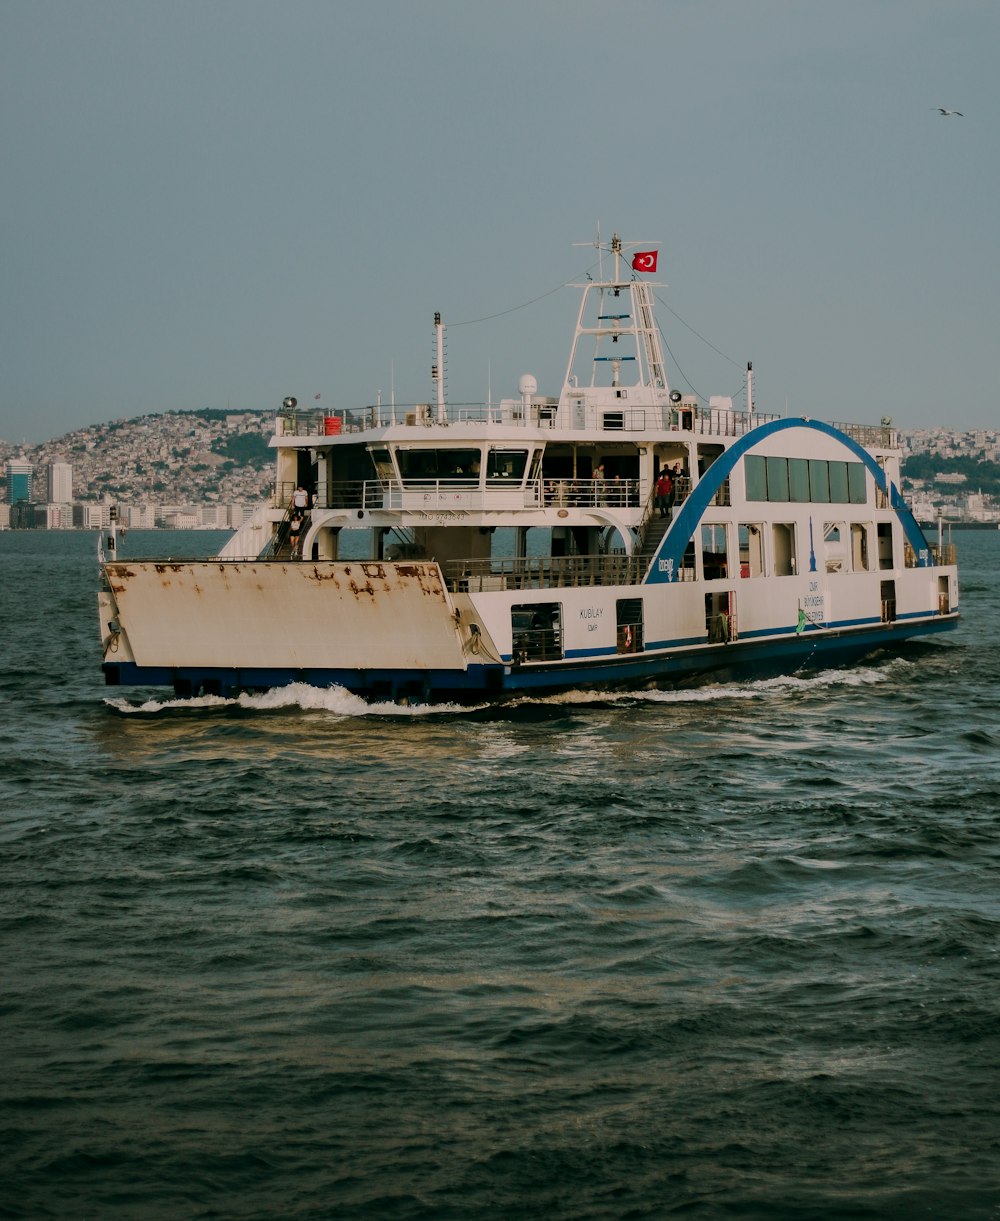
(302, 697)
(296, 696)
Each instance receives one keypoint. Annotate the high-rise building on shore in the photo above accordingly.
(20, 477)
(60, 483)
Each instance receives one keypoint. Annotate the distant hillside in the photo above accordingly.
(980, 475)
(176, 457)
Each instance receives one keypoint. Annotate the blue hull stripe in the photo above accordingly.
(744, 658)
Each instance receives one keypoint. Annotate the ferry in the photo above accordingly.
(618, 535)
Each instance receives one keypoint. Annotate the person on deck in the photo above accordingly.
(295, 535)
(599, 485)
(664, 490)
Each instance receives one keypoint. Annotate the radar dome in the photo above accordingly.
(527, 386)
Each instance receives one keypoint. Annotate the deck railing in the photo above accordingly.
(548, 572)
(547, 415)
(542, 572)
(941, 553)
(466, 494)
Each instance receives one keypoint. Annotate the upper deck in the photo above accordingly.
(542, 417)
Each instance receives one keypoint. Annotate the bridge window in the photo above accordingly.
(438, 463)
(506, 464)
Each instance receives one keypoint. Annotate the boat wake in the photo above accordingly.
(300, 697)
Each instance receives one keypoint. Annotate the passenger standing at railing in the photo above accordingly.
(599, 484)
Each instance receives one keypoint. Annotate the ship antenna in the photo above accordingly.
(438, 371)
(392, 389)
(616, 247)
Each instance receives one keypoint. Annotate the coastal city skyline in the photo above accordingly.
(213, 209)
(181, 470)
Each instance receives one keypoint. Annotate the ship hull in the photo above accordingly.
(396, 632)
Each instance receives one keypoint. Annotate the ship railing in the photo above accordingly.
(722, 498)
(647, 513)
(546, 413)
(872, 436)
(465, 493)
(593, 493)
(542, 572)
(940, 554)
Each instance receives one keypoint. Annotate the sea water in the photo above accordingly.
(731, 952)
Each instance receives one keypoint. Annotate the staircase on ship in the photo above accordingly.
(650, 537)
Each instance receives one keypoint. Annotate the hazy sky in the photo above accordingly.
(212, 203)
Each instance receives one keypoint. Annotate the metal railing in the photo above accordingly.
(542, 572)
(940, 554)
(466, 493)
(601, 417)
(551, 572)
(547, 413)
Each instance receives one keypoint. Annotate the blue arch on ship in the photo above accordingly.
(667, 561)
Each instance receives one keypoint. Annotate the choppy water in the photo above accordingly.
(730, 953)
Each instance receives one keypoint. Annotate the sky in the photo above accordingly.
(218, 203)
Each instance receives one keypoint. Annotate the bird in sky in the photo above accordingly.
(948, 113)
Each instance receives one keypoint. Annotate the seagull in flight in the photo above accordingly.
(949, 113)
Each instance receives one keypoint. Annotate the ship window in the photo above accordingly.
(755, 474)
(438, 463)
(536, 631)
(382, 463)
(856, 485)
(714, 556)
(885, 544)
(798, 480)
(751, 537)
(859, 547)
(819, 480)
(506, 464)
(783, 539)
(838, 483)
(835, 552)
(777, 478)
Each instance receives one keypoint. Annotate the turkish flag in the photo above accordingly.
(644, 260)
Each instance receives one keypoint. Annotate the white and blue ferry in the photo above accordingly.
(524, 548)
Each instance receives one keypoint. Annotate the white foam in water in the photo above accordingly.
(296, 695)
(201, 701)
(342, 703)
(750, 690)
